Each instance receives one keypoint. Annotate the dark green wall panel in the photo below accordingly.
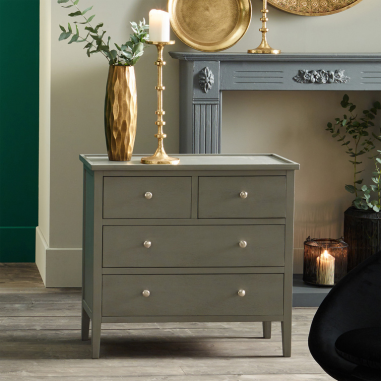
(19, 85)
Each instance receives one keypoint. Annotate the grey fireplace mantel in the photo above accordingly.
(203, 77)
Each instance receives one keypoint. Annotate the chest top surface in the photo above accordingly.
(194, 163)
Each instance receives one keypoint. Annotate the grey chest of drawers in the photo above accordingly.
(208, 240)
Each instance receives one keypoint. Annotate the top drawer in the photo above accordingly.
(147, 197)
(262, 197)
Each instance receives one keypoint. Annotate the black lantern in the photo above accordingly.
(325, 261)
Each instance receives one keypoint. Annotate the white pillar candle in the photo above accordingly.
(159, 26)
(325, 272)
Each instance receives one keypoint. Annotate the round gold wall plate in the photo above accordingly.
(313, 7)
(210, 25)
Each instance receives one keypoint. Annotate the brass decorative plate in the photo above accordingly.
(313, 7)
(210, 25)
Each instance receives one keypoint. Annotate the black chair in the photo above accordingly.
(345, 335)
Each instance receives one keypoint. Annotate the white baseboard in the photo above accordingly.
(59, 267)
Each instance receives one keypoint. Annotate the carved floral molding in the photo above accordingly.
(206, 79)
(321, 76)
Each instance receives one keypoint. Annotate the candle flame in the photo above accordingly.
(326, 255)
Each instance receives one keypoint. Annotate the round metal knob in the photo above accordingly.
(146, 293)
(242, 244)
(241, 293)
(148, 195)
(147, 244)
(243, 194)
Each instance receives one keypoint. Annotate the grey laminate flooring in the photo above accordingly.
(40, 340)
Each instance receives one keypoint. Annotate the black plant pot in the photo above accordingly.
(362, 230)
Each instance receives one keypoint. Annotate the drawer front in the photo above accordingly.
(219, 197)
(125, 197)
(193, 246)
(179, 295)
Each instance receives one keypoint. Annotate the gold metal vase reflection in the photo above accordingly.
(121, 110)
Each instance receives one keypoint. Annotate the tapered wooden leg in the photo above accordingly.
(286, 338)
(96, 337)
(85, 325)
(266, 329)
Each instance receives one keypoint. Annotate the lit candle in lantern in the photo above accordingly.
(325, 269)
(159, 26)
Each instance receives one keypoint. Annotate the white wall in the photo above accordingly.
(290, 124)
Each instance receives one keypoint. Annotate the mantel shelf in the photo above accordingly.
(284, 57)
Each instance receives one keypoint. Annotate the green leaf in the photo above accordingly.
(74, 38)
(378, 160)
(114, 54)
(355, 162)
(376, 208)
(375, 180)
(99, 26)
(63, 29)
(75, 14)
(350, 188)
(76, 2)
(344, 122)
(126, 54)
(64, 36)
(69, 6)
(62, 1)
(358, 172)
(117, 46)
(70, 30)
(360, 182)
(346, 143)
(90, 29)
(341, 139)
(373, 187)
(86, 10)
(352, 108)
(138, 48)
(90, 18)
(364, 188)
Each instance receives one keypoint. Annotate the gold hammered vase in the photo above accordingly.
(121, 110)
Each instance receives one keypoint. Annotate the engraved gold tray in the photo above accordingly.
(210, 25)
(313, 7)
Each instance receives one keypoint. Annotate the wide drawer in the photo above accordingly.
(147, 197)
(178, 295)
(220, 197)
(193, 246)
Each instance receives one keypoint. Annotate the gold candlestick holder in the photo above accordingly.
(160, 156)
(264, 47)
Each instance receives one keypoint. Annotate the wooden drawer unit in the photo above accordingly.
(208, 240)
(187, 295)
(147, 197)
(242, 197)
(200, 246)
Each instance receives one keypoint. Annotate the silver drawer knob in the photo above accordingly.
(148, 195)
(241, 293)
(242, 244)
(147, 244)
(243, 194)
(146, 293)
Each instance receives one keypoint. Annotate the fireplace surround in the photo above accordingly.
(204, 76)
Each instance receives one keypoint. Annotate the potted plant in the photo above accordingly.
(120, 116)
(362, 220)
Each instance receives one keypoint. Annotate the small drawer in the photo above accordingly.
(242, 197)
(147, 197)
(192, 295)
(193, 246)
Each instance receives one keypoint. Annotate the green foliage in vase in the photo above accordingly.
(354, 134)
(126, 54)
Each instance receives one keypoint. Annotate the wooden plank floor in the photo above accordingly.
(40, 340)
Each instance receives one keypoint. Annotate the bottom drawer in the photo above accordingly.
(179, 295)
